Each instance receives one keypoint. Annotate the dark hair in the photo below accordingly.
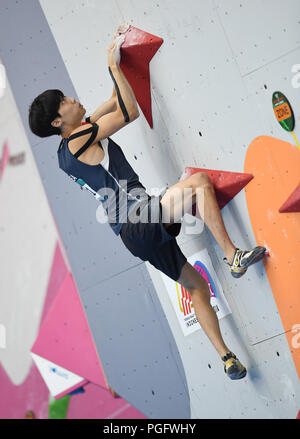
(43, 110)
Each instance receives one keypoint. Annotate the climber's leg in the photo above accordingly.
(199, 290)
(176, 202)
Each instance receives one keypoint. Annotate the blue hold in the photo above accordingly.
(79, 390)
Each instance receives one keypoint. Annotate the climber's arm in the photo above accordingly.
(107, 107)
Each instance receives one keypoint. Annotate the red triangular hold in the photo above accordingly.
(65, 339)
(227, 184)
(292, 204)
(136, 53)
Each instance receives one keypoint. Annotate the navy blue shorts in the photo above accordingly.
(149, 240)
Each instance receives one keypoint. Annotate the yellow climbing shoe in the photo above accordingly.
(243, 259)
(233, 367)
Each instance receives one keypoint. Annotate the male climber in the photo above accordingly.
(92, 159)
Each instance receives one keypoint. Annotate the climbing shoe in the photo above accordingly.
(233, 367)
(243, 258)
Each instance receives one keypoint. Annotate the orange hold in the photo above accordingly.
(30, 415)
(275, 165)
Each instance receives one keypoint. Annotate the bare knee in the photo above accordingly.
(192, 280)
(202, 293)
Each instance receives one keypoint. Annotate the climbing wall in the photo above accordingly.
(212, 81)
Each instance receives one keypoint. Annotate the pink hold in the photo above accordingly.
(5, 158)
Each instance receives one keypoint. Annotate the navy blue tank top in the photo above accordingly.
(113, 181)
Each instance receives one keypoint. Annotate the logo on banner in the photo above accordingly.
(184, 299)
(200, 267)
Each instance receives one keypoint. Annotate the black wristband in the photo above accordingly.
(123, 108)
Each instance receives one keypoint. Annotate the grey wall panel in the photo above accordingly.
(134, 336)
(266, 30)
